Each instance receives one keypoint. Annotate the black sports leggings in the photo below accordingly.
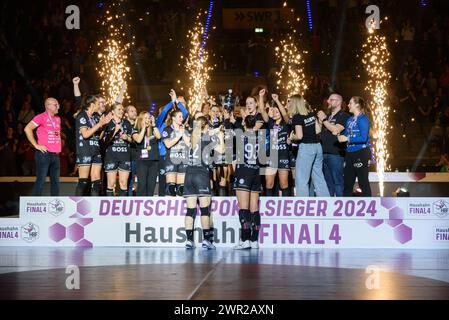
(356, 166)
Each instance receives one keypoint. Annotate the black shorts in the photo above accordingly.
(197, 183)
(110, 166)
(170, 167)
(247, 180)
(283, 163)
(88, 160)
(293, 155)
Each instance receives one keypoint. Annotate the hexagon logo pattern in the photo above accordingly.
(82, 207)
(402, 232)
(75, 231)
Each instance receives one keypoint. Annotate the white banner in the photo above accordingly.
(286, 222)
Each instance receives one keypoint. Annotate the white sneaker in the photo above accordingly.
(208, 245)
(254, 245)
(190, 244)
(243, 245)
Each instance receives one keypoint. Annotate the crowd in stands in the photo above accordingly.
(39, 58)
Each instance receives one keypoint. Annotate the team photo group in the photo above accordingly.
(264, 147)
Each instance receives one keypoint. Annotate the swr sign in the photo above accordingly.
(250, 18)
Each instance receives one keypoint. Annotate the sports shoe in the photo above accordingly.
(207, 245)
(190, 244)
(254, 245)
(243, 245)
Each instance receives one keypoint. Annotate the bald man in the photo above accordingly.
(48, 146)
(333, 123)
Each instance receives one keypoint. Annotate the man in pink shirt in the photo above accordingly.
(48, 146)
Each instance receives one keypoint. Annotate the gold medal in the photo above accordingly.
(149, 148)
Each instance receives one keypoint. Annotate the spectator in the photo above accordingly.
(436, 138)
(25, 153)
(443, 164)
(26, 114)
(444, 79)
(9, 117)
(8, 148)
(444, 119)
(431, 83)
(408, 35)
(407, 100)
(66, 159)
(424, 104)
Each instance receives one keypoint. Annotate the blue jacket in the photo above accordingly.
(160, 122)
(358, 133)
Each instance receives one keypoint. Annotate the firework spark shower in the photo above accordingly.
(197, 67)
(113, 53)
(291, 76)
(375, 59)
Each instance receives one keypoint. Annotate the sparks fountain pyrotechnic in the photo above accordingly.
(113, 54)
(375, 59)
(291, 78)
(196, 65)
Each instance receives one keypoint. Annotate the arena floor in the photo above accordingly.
(167, 273)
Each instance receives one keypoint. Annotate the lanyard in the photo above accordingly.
(121, 128)
(92, 121)
(147, 141)
(53, 123)
(352, 125)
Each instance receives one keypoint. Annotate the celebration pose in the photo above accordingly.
(281, 130)
(197, 181)
(131, 116)
(146, 136)
(358, 151)
(309, 163)
(176, 139)
(221, 172)
(332, 124)
(248, 185)
(117, 141)
(161, 124)
(88, 154)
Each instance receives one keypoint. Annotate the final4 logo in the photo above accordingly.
(56, 207)
(29, 232)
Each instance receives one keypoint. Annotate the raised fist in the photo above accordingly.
(172, 95)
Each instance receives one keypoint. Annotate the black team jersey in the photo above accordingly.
(247, 151)
(116, 148)
(200, 156)
(90, 146)
(180, 149)
(283, 132)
